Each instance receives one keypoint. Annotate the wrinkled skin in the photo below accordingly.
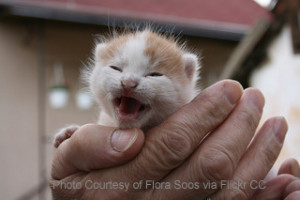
(175, 150)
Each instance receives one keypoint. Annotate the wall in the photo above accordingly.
(19, 111)
(279, 80)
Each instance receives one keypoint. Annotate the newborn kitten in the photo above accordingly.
(138, 80)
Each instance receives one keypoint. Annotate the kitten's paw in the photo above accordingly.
(64, 134)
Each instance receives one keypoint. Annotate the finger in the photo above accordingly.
(292, 187)
(95, 147)
(218, 156)
(257, 161)
(290, 166)
(169, 144)
(274, 189)
(293, 196)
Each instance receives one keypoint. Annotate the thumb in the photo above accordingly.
(94, 147)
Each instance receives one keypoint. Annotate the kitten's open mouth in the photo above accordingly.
(129, 108)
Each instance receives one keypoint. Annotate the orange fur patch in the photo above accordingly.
(113, 47)
(167, 55)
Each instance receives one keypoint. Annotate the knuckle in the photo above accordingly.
(83, 132)
(85, 128)
(213, 110)
(217, 165)
(270, 155)
(249, 117)
(162, 154)
(176, 145)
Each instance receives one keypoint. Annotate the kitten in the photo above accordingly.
(139, 79)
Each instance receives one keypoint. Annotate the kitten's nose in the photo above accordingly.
(129, 83)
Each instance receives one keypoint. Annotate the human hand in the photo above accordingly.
(284, 186)
(172, 152)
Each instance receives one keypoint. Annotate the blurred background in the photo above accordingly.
(45, 43)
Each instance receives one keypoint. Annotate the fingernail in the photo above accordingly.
(257, 99)
(233, 92)
(280, 129)
(122, 139)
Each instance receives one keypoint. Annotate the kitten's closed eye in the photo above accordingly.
(154, 74)
(115, 68)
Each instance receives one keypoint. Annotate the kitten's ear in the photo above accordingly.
(99, 48)
(191, 66)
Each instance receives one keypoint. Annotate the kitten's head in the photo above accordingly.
(141, 78)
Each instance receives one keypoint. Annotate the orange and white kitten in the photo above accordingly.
(139, 79)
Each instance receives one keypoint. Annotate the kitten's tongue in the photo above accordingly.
(129, 105)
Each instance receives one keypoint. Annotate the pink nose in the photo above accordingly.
(129, 84)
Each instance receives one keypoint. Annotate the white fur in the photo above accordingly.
(164, 95)
(192, 68)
